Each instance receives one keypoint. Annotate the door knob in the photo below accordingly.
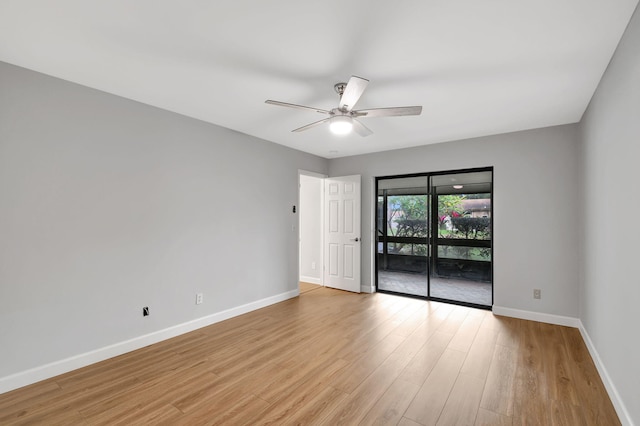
(356, 239)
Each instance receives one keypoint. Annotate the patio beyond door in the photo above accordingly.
(434, 236)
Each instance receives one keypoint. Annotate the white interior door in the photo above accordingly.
(342, 233)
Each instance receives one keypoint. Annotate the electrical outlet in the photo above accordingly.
(199, 298)
(537, 293)
(145, 311)
(313, 265)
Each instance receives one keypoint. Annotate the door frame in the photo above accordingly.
(374, 245)
(322, 177)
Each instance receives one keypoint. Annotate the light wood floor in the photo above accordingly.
(332, 357)
(305, 287)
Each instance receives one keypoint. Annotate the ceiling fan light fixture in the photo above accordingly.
(341, 125)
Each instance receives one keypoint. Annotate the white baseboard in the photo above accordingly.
(311, 280)
(621, 410)
(367, 289)
(536, 316)
(53, 369)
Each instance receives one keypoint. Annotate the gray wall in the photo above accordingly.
(108, 205)
(535, 208)
(610, 277)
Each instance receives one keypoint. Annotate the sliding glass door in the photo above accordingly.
(403, 235)
(434, 236)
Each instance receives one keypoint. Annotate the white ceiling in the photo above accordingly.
(476, 67)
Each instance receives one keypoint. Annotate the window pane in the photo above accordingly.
(407, 216)
(464, 216)
(470, 263)
(464, 253)
(407, 249)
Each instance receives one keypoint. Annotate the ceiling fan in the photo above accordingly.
(344, 118)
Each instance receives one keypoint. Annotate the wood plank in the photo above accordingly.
(463, 402)
(291, 404)
(531, 399)
(29, 395)
(454, 320)
(417, 316)
(392, 404)
(466, 334)
(323, 369)
(508, 330)
(71, 401)
(364, 396)
(363, 366)
(144, 400)
(408, 422)
(587, 382)
(489, 418)
(333, 357)
(556, 365)
(150, 415)
(305, 287)
(498, 395)
(480, 353)
(57, 415)
(362, 399)
(427, 406)
(239, 411)
(319, 407)
(565, 413)
(420, 366)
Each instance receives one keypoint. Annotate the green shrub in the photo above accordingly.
(472, 227)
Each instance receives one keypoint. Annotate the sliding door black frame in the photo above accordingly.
(432, 233)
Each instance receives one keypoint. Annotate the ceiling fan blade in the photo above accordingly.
(285, 104)
(361, 129)
(309, 126)
(352, 92)
(388, 112)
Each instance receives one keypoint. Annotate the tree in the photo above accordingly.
(407, 217)
(449, 206)
(412, 222)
